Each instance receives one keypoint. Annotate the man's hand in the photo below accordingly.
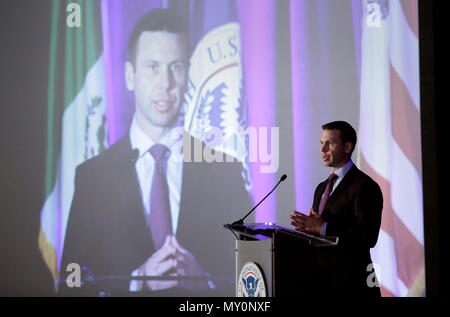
(162, 263)
(172, 260)
(187, 265)
(311, 224)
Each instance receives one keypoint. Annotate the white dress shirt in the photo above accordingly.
(145, 166)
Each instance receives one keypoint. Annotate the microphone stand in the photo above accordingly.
(241, 221)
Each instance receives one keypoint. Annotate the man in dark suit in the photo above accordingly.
(348, 205)
(138, 207)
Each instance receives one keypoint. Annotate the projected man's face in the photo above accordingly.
(158, 78)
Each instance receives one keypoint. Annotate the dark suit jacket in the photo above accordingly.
(353, 213)
(107, 230)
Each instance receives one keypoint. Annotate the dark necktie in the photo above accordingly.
(327, 192)
(160, 218)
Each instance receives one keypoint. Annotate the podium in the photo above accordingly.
(276, 261)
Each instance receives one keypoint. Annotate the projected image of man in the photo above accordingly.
(136, 203)
(156, 71)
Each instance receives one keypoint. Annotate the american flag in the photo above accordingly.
(390, 140)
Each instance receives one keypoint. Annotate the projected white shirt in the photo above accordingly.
(145, 165)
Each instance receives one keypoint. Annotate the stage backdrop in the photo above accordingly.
(276, 70)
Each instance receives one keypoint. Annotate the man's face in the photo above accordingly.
(158, 77)
(333, 151)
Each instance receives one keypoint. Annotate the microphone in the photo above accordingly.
(241, 221)
(134, 156)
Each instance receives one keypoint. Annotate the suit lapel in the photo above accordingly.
(319, 192)
(185, 219)
(131, 225)
(342, 186)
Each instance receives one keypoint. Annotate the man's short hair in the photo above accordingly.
(156, 20)
(348, 134)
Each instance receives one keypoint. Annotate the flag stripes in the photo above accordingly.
(410, 8)
(390, 148)
(406, 118)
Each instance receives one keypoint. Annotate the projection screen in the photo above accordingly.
(255, 81)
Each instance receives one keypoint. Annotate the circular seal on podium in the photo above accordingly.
(251, 281)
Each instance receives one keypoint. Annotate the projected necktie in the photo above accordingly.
(327, 192)
(160, 218)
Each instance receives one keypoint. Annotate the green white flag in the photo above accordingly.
(76, 124)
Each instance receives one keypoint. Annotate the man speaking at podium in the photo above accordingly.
(348, 205)
(138, 210)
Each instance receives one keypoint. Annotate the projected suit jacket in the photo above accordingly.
(353, 213)
(107, 230)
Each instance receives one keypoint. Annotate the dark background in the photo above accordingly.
(25, 42)
(25, 45)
